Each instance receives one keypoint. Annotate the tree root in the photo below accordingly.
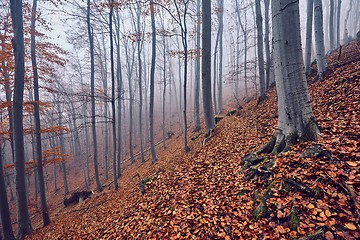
(258, 166)
(303, 189)
(315, 235)
(260, 210)
(352, 196)
(279, 143)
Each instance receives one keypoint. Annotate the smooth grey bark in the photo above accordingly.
(296, 120)
(62, 148)
(260, 50)
(338, 15)
(206, 66)
(152, 81)
(119, 91)
(346, 31)
(319, 38)
(245, 34)
(221, 53)
(139, 49)
(23, 218)
(130, 67)
(4, 204)
(104, 76)
(39, 165)
(197, 70)
(331, 25)
(113, 109)
(308, 39)
(164, 82)
(267, 44)
(92, 96)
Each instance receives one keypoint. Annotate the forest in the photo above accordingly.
(180, 119)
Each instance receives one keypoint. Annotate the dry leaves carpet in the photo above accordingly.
(202, 194)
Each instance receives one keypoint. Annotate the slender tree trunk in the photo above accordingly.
(309, 30)
(331, 25)
(197, 70)
(338, 40)
(206, 66)
(346, 31)
(62, 148)
(260, 44)
(221, 31)
(119, 92)
(139, 49)
(319, 38)
(267, 43)
(92, 95)
(152, 81)
(23, 218)
(4, 205)
(112, 63)
(39, 167)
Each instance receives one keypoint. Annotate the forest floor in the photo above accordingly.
(206, 193)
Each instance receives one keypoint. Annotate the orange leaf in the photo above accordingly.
(350, 226)
(329, 236)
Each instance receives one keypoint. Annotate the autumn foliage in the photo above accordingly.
(204, 194)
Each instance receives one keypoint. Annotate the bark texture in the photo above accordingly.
(319, 38)
(296, 120)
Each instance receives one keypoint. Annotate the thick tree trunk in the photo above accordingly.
(39, 165)
(296, 119)
(206, 66)
(92, 95)
(309, 30)
(152, 81)
(260, 50)
(319, 38)
(23, 218)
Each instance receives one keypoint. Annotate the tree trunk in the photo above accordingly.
(346, 31)
(319, 38)
(197, 71)
(338, 40)
(112, 66)
(119, 92)
(39, 165)
(152, 81)
(206, 66)
(92, 95)
(4, 205)
(139, 49)
(331, 25)
(296, 119)
(62, 148)
(23, 218)
(221, 50)
(260, 49)
(267, 43)
(309, 30)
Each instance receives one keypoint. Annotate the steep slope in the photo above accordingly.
(204, 194)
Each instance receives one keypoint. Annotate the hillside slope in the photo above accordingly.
(204, 194)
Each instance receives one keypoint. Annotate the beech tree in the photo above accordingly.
(308, 36)
(319, 38)
(23, 218)
(296, 120)
(92, 95)
(260, 50)
(152, 81)
(39, 165)
(206, 66)
(4, 205)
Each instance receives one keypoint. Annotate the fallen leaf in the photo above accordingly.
(350, 226)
